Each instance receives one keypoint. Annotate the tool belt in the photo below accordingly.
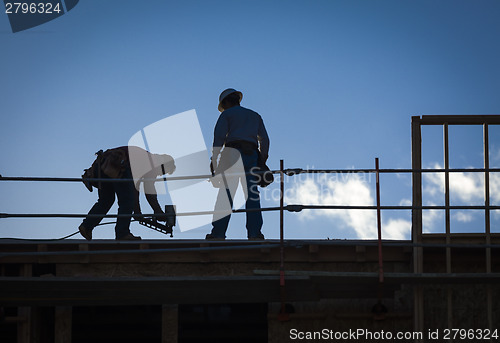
(264, 175)
(111, 163)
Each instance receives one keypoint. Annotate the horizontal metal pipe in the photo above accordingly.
(291, 208)
(288, 172)
(81, 215)
(291, 172)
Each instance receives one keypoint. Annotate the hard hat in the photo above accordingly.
(225, 93)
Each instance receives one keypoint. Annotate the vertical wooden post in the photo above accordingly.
(24, 326)
(63, 324)
(169, 323)
(416, 161)
(487, 223)
(449, 291)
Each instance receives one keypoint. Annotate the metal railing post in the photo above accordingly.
(379, 226)
(283, 315)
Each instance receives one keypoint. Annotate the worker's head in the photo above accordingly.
(229, 98)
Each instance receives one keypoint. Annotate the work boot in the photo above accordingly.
(86, 233)
(260, 237)
(210, 237)
(129, 237)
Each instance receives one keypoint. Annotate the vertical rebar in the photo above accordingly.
(282, 234)
(379, 225)
(283, 315)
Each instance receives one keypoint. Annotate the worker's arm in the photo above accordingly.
(153, 202)
(220, 134)
(263, 139)
(151, 197)
(137, 205)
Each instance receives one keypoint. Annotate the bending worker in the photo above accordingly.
(242, 131)
(124, 163)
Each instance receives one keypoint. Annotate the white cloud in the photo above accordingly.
(351, 191)
(432, 217)
(466, 187)
(495, 188)
(463, 217)
(494, 155)
(405, 202)
(433, 184)
(396, 229)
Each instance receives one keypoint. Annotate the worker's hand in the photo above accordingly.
(160, 216)
(212, 167)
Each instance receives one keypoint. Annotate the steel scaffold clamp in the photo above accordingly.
(291, 172)
(294, 208)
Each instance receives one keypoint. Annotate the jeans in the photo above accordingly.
(125, 191)
(254, 219)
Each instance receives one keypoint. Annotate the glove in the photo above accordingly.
(160, 216)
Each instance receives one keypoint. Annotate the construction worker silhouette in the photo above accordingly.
(239, 131)
(116, 164)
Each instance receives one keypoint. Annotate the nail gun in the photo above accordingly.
(153, 224)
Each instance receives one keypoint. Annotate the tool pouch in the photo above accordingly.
(114, 162)
(111, 163)
(265, 177)
(94, 172)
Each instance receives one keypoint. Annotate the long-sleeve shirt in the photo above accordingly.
(240, 124)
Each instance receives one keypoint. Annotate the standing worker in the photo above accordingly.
(241, 130)
(124, 163)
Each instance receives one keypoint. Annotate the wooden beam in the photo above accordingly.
(306, 286)
(169, 323)
(416, 215)
(63, 324)
(65, 291)
(460, 119)
(24, 327)
(196, 251)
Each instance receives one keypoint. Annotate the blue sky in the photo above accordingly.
(335, 81)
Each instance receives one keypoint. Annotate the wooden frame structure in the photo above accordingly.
(418, 237)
